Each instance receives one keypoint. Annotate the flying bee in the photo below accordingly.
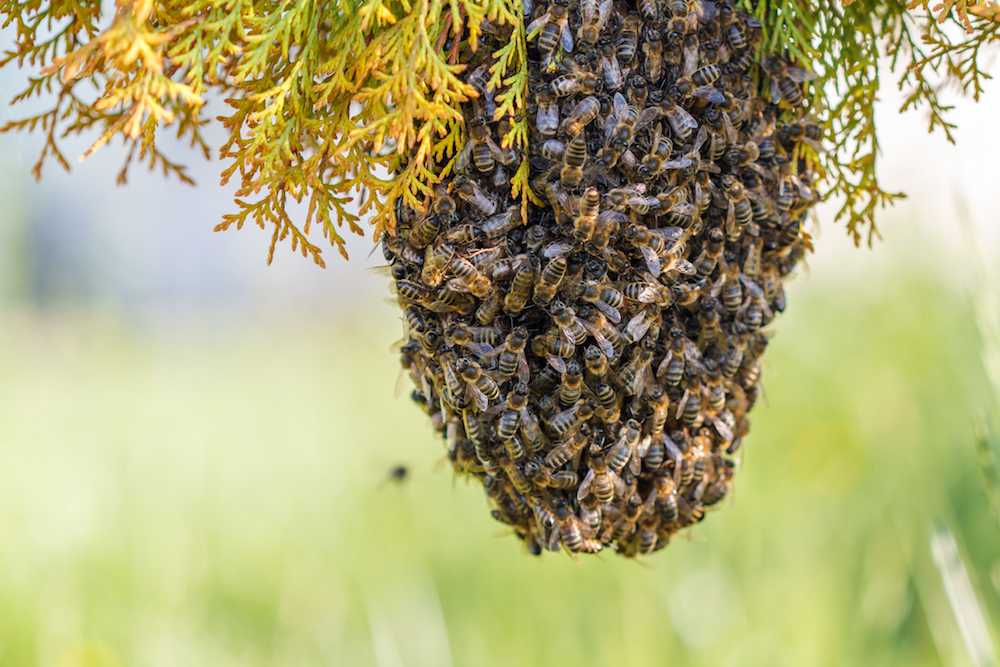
(562, 423)
(581, 116)
(628, 38)
(547, 116)
(552, 29)
(610, 67)
(573, 160)
(604, 482)
(549, 280)
(605, 298)
(593, 18)
(785, 80)
(652, 47)
(565, 318)
(660, 149)
(470, 191)
(586, 222)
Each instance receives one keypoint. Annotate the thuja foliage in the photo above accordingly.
(358, 101)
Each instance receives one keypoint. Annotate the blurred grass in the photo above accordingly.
(214, 495)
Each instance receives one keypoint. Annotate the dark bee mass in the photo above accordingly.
(593, 364)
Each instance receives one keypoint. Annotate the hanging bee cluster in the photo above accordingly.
(593, 364)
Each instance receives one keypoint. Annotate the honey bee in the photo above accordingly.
(650, 10)
(652, 47)
(552, 29)
(581, 116)
(553, 150)
(604, 482)
(470, 191)
(478, 340)
(657, 245)
(596, 363)
(510, 355)
(609, 340)
(608, 403)
(755, 311)
(659, 406)
(785, 80)
(666, 499)
(571, 534)
(608, 224)
(468, 278)
(635, 376)
(638, 92)
(572, 383)
(659, 154)
(625, 448)
(483, 151)
(625, 524)
(549, 280)
(593, 18)
(610, 67)
(554, 349)
(515, 415)
(683, 123)
(547, 116)
(573, 160)
(565, 318)
(542, 476)
(679, 8)
(605, 298)
(586, 222)
(706, 262)
(563, 423)
(578, 80)
(649, 522)
(805, 132)
(520, 286)
(628, 38)
(436, 261)
(481, 386)
(564, 451)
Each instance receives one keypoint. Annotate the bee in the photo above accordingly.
(609, 340)
(730, 286)
(483, 150)
(564, 451)
(479, 79)
(650, 10)
(571, 534)
(677, 27)
(426, 229)
(624, 449)
(610, 67)
(481, 386)
(552, 29)
(478, 340)
(682, 122)
(461, 235)
(689, 407)
(608, 402)
(628, 38)
(638, 92)
(515, 414)
(740, 210)
(469, 191)
(751, 264)
(573, 160)
(743, 62)
(755, 311)
(468, 278)
(652, 47)
(501, 223)
(436, 261)
(708, 318)
(572, 383)
(681, 352)
(648, 292)
(625, 524)
(565, 318)
(554, 348)
(563, 423)
(596, 363)
(581, 116)
(659, 406)
(586, 222)
(578, 80)
(510, 355)
(679, 8)
(593, 17)
(666, 499)
(656, 244)
(452, 387)
(659, 154)
(542, 476)
(520, 286)
(547, 116)
(785, 80)
(649, 522)
(605, 298)
(549, 280)
(635, 376)
(706, 262)
(604, 482)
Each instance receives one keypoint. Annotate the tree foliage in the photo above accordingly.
(360, 100)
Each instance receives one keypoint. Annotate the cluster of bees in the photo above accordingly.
(593, 365)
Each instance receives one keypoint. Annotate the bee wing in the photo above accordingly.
(617, 482)
(799, 75)
(775, 93)
(492, 353)
(584, 489)
(523, 372)
(752, 287)
(676, 164)
(557, 249)
(499, 154)
(722, 428)
(536, 26)
(566, 38)
(682, 403)
(731, 135)
(629, 160)
(652, 260)
(456, 285)
(604, 11)
(612, 72)
(479, 349)
(609, 311)
(619, 104)
(662, 368)
(681, 120)
(557, 364)
(398, 389)
(638, 326)
(643, 201)
(648, 115)
(709, 93)
(547, 118)
(529, 425)
(479, 397)
(690, 60)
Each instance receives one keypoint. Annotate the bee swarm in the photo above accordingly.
(593, 365)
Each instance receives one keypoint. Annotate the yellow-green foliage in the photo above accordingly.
(361, 99)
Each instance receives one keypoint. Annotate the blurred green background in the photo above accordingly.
(194, 452)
